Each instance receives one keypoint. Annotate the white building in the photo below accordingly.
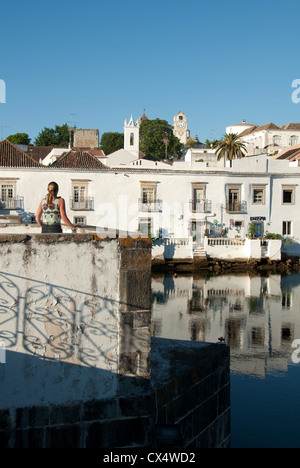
(269, 138)
(191, 200)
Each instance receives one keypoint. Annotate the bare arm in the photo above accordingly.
(63, 214)
(38, 216)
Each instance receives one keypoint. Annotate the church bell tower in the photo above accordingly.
(180, 127)
(132, 137)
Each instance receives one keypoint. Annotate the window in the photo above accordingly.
(199, 202)
(258, 195)
(79, 198)
(148, 200)
(80, 220)
(238, 225)
(288, 195)
(131, 139)
(145, 226)
(148, 194)
(8, 199)
(276, 140)
(7, 193)
(287, 228)
(286, 299)
(79, 192)
(234, 203)
(294, 140)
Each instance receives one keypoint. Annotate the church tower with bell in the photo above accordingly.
(132, 137)
(180, 127)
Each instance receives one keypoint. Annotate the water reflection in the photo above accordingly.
(257, 316)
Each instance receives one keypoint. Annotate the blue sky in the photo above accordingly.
(219, 62)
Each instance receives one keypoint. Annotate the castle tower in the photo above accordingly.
(180, 127)
(132, 137)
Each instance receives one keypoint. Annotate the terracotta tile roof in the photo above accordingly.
(248, 131)
(270, 126)
(78, 159)
(293, 126)
(12, 156)
(292, 153)
(39, 152)
(98, 153)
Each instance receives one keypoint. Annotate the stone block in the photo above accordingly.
(4, 420)
(96, 410)
(135, 290)
(137, 406)
(130, 432)
(29, 438)
(36, 416)
(62, 414)
(64, 436)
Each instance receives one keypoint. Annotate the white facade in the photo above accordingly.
(174, 202)
(269, 139)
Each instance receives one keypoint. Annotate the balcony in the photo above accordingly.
(200, 206)
(236, 207)
(145, 205)
(81, 205)
(14, 203)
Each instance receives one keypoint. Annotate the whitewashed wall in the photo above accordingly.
(116, 194)
(59, 321)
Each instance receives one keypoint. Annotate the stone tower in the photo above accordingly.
(132, 137)
(180, 127)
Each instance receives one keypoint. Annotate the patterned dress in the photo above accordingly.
(51, 217)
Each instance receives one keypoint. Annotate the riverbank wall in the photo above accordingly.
(221, 266)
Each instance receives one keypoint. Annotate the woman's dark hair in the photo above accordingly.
(52, 194)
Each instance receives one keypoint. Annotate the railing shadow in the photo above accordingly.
(60, 323)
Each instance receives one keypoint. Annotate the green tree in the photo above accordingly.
(111, 142)
(157, 139)
(230, 147)
(58, 136)
(19, 139)
(211, 143)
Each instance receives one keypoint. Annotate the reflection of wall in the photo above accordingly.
(258, 316)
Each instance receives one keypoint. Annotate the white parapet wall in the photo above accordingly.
(228, 249)
(173, 248)
(61, 300)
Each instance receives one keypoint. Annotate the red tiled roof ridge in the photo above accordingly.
(78, 158)
(15, 157)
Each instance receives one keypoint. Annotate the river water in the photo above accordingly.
(259, 317)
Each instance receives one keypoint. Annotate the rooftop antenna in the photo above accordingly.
(70, 130)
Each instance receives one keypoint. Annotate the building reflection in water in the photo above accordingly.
(257, 316)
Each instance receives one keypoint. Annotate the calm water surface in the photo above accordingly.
(259, 317)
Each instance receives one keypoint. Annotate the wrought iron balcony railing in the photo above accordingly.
(200, 206)
(236, 207)
(149, 205)
(83, 205)
(14, 203)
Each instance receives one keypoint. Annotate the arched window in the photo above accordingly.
(276, 140)
(131, 139)
(294, 140)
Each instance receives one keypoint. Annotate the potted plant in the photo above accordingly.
(252, 231)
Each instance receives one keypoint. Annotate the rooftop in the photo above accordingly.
(12, 156)
(270, 126)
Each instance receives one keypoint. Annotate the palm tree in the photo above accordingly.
(230, 147)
